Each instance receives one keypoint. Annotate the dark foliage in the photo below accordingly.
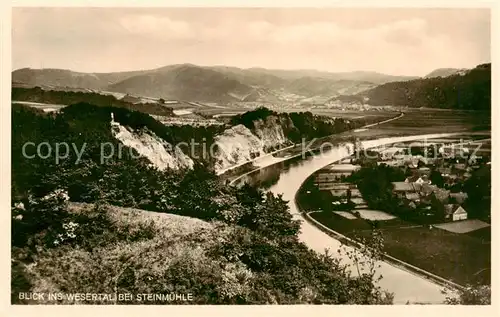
(248, 118)
(478, 189)
(471, 91)
(375, 184)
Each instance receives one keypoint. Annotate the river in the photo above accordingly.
(286, 178)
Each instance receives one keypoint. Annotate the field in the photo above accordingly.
(464, 226)
(416, 121)
(374, 214)
(461, 258)
(345, 214)
(467, 125)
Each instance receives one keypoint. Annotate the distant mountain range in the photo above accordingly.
(442, 88)
(463, 89)
(66, 78)
(211, 84)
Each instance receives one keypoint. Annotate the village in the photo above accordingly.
(431, 191)
(429, 200)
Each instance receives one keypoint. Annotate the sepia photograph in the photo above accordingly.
(250, 155)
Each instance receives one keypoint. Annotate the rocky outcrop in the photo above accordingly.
(160, 153)
(239, 145)
(235, 146)
(270, 132)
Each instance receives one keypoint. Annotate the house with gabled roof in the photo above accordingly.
(418, 179)
(454, 212)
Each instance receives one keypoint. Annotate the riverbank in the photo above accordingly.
(236, 172)
(289, 180)
(386, 257)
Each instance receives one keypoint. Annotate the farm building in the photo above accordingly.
(455, 212)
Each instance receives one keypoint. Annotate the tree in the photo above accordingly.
(366, 256)
(438, 208)
(436, 178)
(478, 189)
(471, 295)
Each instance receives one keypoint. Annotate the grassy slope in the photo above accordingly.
(75, 270)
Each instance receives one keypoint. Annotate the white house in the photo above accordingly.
(459, 214)
(455, 212)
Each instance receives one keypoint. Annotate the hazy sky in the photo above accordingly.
(393, 41)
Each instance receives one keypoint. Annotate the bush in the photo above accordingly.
(41, 221)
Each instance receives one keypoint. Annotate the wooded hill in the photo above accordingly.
(468, 91)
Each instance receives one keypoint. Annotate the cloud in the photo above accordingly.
(149, 25)
(409, 42)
